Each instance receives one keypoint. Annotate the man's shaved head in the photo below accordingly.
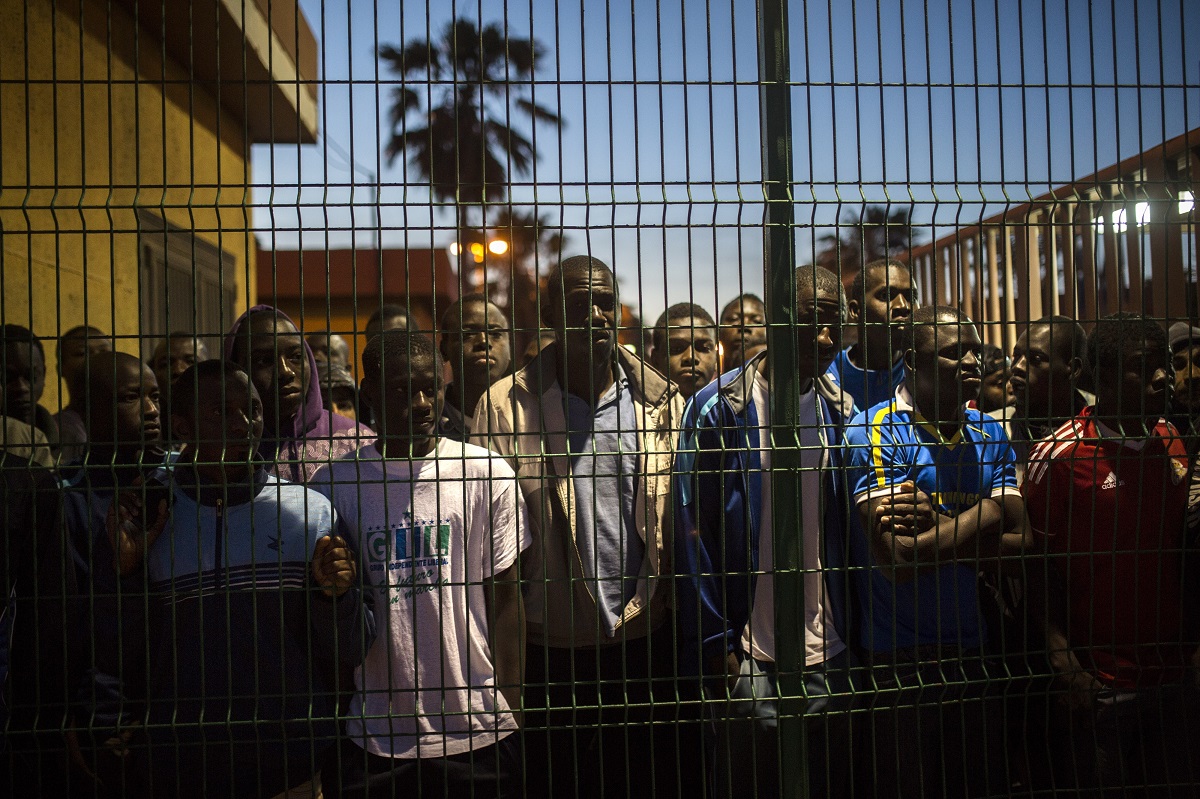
(926, 320)
(575, 266)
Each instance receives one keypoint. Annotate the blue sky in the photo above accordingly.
(954, 107)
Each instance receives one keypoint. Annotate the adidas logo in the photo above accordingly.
(1111, 482)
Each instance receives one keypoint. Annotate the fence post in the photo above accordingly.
(779, 252)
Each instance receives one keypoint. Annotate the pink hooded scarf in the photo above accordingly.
(316, 436)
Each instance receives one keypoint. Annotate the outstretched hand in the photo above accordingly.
(333, 567)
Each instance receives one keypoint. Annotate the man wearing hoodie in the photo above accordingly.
(299, 434)
(725, 544)
(589, 429)
(254, 607)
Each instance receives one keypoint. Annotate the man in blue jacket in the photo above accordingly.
(725, 551)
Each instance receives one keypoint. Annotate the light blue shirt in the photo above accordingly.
(604, 463)
(868, 387)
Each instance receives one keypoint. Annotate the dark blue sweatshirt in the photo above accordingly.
(244, 647)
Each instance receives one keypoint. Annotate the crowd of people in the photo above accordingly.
(478, 572)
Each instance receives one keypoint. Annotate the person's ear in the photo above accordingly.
(853, 312)
(1075, 368)
(910, 360)
(443, 345)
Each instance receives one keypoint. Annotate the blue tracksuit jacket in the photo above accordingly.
(718, 497)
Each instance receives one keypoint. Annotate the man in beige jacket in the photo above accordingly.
(589, 429)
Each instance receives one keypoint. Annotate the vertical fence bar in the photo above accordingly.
(779, 252)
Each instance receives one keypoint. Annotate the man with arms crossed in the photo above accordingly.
(937, 499)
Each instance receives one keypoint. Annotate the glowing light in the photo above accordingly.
(455, 248)
(1187, 201)
(497, 246)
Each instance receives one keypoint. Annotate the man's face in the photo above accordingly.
(326, 347)
(890, 300)
(481, 353)
(278, 367)
(409, 400)
(226, 428)
(24, 380)
(1140, 384)
(996, 392)
(1186, 362)
(818, 330)
(947, 364)
(128, 415)
(586, 325)
(74, 354)
(1041, 373)
(173, 357)
(341, 402)
(690, 359)
(743, 332)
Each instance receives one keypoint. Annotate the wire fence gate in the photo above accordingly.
(537, 398)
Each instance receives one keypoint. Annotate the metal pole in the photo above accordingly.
(779, 252)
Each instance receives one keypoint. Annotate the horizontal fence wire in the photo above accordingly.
(669, 399)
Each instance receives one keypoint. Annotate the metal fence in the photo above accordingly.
(600, 399)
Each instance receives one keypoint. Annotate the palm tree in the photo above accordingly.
(453, 129)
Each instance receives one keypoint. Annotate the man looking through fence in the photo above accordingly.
(1048, 367)
(173, 355)
(124, 444)
(685, 347)
(882, 298)
(171, 358)
(588, 428)
(476, 342)
(743, 330)
(936, 490)
(300, 434)
(1185, 398)
(256, 604)
(725, 544)
(26, 429)
(329, 346)
(1106, 494)
(440, 525)
(74, 348)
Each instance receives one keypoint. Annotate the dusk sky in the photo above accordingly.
(956, 108)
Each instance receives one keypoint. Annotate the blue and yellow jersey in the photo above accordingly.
(893, 443)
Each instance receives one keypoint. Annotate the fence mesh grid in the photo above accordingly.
(540, 398)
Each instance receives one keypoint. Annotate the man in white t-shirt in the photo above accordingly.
(439, 526)
(725, 543)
